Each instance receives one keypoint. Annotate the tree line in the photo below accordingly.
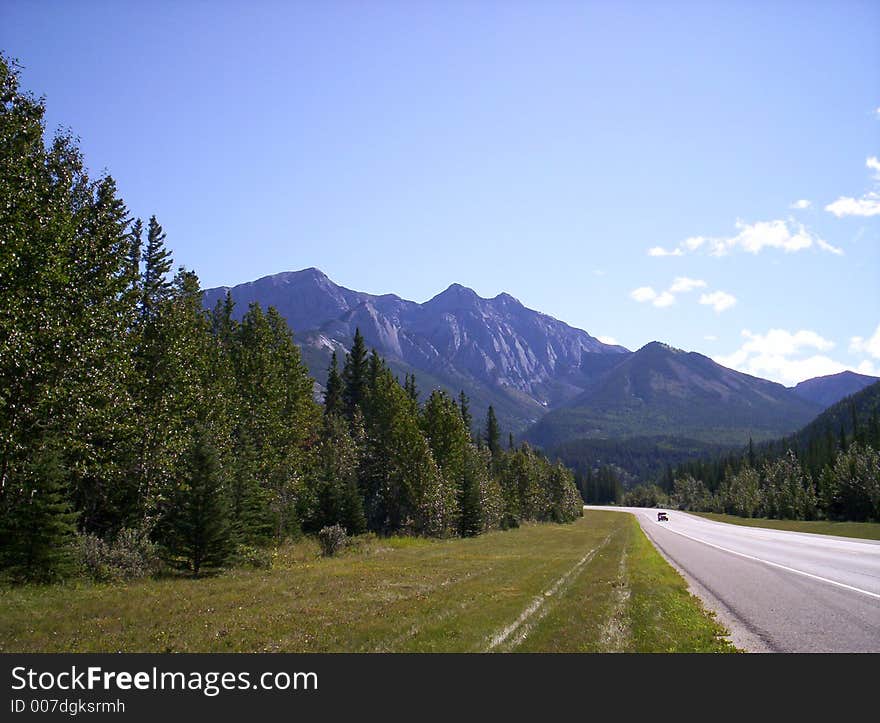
(830, 470)
(137, 426)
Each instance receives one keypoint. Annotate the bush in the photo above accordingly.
(129, 556)
(250, 556)
(332, 539)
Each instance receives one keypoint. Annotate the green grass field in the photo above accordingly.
(864, 530)
(595, 585)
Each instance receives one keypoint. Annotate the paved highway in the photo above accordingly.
(776, 591)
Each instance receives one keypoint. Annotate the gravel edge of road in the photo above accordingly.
(738, 632)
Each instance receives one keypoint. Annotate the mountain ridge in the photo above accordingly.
(535, 369)
(520, 359)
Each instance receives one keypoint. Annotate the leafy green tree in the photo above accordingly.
(65, 308)
(403, 488)
(856, 485)
(278, 413)
(449, 439)
(337, 497)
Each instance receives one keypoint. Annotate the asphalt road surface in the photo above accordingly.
(776, 591)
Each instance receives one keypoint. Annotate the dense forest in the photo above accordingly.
(828, 470)
(139, 430)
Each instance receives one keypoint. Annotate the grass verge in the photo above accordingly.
(595, 585)
(863, 530)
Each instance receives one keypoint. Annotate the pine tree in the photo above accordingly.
(157, 265)
(412, 391)
(354, 375)
(37, 524)
(223, 325)
(464, 407)
(196, 526)
(472, 512)
(333, 402)
(493, 434)
(249, 517)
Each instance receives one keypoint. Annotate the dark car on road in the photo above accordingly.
(662, 517)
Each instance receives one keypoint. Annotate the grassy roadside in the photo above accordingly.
(595, 585)
(863, 530)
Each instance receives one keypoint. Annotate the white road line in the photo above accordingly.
(772, 564)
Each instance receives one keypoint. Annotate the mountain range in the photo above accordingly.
(549, 382)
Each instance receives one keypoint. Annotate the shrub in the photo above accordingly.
(129, 556)
(250, 556)
(332, 539)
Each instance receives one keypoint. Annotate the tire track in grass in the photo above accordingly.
(537, 609)
(616, 634)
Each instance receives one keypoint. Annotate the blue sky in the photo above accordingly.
(630, 168)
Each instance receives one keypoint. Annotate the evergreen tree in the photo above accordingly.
(223, 325)
(354, 375)
(249, 518)
(471, 514)
(157, 265)
(464, 406)
(493, 433)
(37, 524)
(196, 527)
(333, 401)
(411, 389)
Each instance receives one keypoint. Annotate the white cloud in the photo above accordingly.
(663, 300)
(868, 368)
(643, 293)
(753, 238)
(825, 246)
(608, 340)
(718, 300)
(802, 204)
(867, 205)
(871, 346)
(683, 284)
(710, 337)
(783, 356)
(660, 251)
